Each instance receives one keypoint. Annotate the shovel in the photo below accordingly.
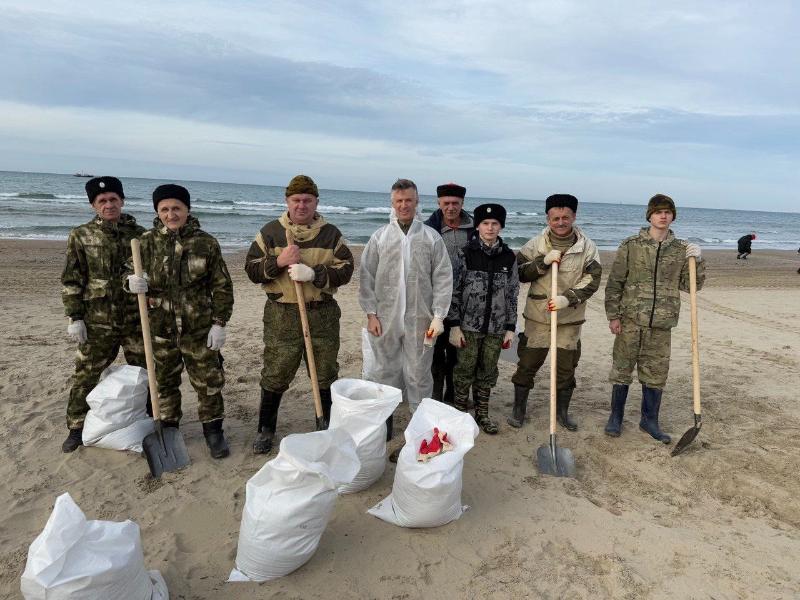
(164, 448)
(692, 432)
(310, 362)
(551, 459)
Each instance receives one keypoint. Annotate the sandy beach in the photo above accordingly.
(721, 521)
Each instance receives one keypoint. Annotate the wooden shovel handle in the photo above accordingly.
(312, 365)
(695, 343)
(553, 347)
(148, 341)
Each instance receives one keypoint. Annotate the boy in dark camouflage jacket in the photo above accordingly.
(483, 311)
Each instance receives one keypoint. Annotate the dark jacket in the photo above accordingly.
(744, 243)
(454, 239)
(485, 288)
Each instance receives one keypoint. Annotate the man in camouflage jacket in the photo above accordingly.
(318, 257)
(642, 305)
(579, 274)
(190, 300)
(102, 316)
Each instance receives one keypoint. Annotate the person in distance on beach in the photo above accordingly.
(454, 224)
(406, 285)
(190, 299)
(642, 306)
(744, 245)
(579, 274)
(318, 257)
(483, 312)
(102, 316)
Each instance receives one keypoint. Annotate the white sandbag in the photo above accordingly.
(289, 501)
(361, 409)
(367, 355)
(428, 494)
(117, 417)
(86, 560)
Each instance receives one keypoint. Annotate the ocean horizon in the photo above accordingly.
(48, 205)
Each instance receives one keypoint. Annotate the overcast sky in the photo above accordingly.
(611, 101)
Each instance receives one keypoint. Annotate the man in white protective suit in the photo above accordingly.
(406, 285)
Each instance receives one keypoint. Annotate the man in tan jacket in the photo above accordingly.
(579, 274)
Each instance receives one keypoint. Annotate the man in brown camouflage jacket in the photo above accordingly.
(102, 316)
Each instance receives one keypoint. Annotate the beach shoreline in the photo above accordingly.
(721, 520)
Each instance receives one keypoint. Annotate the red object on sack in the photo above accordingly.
(435, 445)
(507, 345)
(423, 448)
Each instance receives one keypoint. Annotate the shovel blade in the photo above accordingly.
(687, 439)
(555, 461)
(165, 450)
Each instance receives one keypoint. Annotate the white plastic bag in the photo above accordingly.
(117, 417)
(289, 502)
(367, 356)
(428, 494)
(361, 409)
(86, 560)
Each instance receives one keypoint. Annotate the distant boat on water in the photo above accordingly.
(82, 174)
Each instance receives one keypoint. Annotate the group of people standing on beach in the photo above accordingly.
(440, 299)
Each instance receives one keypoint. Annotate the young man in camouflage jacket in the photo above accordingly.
(102, 316)
(642, 305)
(190, 297)
(483, 311)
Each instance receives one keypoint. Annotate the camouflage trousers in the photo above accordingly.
(648, 349)
(284, 346)
(205, 374)
(99, 351)
(532, 359)
(477, 363)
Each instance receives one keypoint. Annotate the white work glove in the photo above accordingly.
(301, 272)
(136, 284)
(457, 337)
(557, 303)
(551, 257)
(693, 250)
(434, 330)
(216, 337)
(508, 339)
(77, 331)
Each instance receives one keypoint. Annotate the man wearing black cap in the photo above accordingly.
(455, 226)
(483, 311)
(190, 295)
(102, 316)
(579, 274)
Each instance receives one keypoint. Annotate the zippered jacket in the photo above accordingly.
(485, 288)
(646, 280)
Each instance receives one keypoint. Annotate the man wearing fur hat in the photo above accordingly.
(317, 256)
(102, 316)
(190, 295)
(454, 224)
(579, 274)
(642, 305)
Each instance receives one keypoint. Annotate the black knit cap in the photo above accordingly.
(489, 211)
(451, 189)
(661, 202)
(171, 191)
(100, 185)
(561, 201)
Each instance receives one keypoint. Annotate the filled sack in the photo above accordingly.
(117, 417)
(428, 493)
(289, 501)
(361, 408)
(86, 560)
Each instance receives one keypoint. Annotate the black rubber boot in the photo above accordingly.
(651, 405)
(267, 421)
(619, 395)
(215, 439)
(327, 402)
(74, 439)
(517, 417)
(563, 398)
(390, 428)
(148, 405)
(448, 388)
(438, 387)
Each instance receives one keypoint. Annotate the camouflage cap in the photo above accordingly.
(302, 184)
(661, 202)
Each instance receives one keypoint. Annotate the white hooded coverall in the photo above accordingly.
(406, 280)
